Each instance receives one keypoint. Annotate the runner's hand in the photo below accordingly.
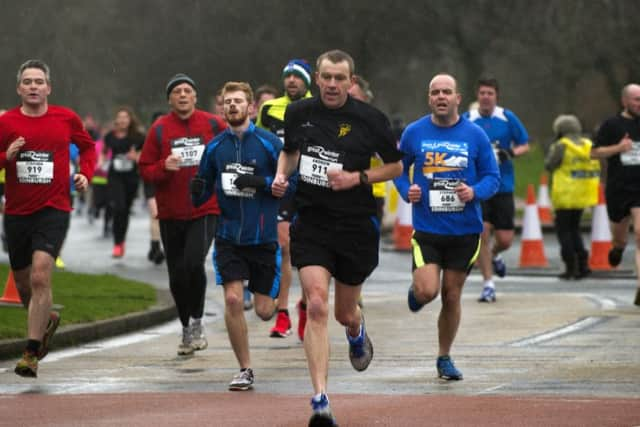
(80, 182)
(14, 147)
(280, 185)
(172, 162)
(253, 181)
(196, 187)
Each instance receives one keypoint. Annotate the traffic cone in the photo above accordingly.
(544, 202)
(600, 235)
(11, 295)
(402, 229)
(532, 246)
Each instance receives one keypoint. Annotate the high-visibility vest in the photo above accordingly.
(575, 182)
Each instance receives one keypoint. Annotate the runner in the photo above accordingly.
(170, 156)
(238, 166)
(454, 169)
(296, 76)
(329, 140)
(34, 150)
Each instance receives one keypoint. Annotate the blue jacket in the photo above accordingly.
(249, 216)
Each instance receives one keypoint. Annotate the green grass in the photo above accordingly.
(528, 169)
(84, 297)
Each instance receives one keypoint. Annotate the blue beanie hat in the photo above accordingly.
(178, 79)
(300, 68)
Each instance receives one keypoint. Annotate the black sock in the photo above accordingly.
(283, 310)
(303, 306)
(33, 346)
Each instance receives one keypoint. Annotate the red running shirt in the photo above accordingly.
(39, 176)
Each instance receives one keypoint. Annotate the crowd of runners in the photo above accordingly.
(273, 181)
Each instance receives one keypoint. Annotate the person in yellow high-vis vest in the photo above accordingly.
(574, 186)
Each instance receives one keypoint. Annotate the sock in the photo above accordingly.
(33, 346)
(489, 284)
(196, 322)
(318, 397)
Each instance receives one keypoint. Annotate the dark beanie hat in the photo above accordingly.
(300, 68)
(177, 79)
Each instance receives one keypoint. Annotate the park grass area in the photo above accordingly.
(84, 298)
(528, 169)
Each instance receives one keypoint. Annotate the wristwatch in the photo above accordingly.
(364, 179)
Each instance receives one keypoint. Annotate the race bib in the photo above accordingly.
(34, 167)
(190, 149)
(228, 177)
(631, 157)
(442, 196)
(122, 164)
(315, 161)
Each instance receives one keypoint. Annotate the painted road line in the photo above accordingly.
(571, 328)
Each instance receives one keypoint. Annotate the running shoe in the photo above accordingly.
(302, 320)
(637, 300)
(282, 328)
(615, 256)
(499, 267)
(488, 295)
(28, 365)
(360, 348)
(198, 338)
(413, 303)
(118, 250)
(54, 321)
(322, 416)
(248, 304)
(242, 381)
(447, 370)
(185, 348)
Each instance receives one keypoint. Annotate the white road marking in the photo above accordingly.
(556, 333)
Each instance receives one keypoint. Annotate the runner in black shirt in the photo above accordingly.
(330, 140)
(618, 141)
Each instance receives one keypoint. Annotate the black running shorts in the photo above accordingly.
(499, 211)
(44, 230)
(619, 204)
(347, 248)
(259, 264)
(449, 252)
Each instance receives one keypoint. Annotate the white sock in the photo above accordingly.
(489, 284)
(196, 321)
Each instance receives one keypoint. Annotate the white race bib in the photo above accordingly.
(442, 196)
(189, 149)
(122, 164)
(228, 177)
(631, 157)
(315, 161)
(34, 167)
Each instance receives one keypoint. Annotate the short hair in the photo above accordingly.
(34, 63)
(364, 86)
(443, 74)
(235, 86)
(261, 90)
(627, 89)
(488, 81)
(336, 56)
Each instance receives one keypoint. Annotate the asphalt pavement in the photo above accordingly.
(552, 352)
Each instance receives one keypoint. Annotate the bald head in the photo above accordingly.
(448, 79)
(631, 100)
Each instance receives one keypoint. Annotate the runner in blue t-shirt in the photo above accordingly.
(509, 139)
(454, 169)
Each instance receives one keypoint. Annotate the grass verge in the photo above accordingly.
(84, 297)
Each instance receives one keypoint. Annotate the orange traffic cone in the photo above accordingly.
(544, 202)
(600, 235)
(532, 246)
(403, 229)
(11, 295)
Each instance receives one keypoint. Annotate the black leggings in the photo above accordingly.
(186, 243)
(567, 223)
(123, 188)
